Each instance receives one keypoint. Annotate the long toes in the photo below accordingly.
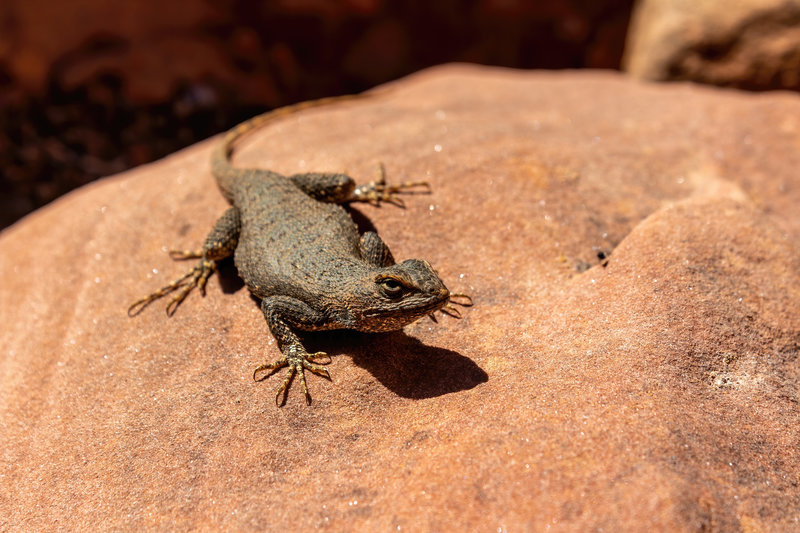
(406, 186)
(196, 277)
(303, 384)
(464, 300)
(270, 367)
(205, 273)
(451, 311)
(319, 355)
(284, 388)
(138, 306)
(178, 299)
(395, 200)
(297, 363)
(180, 255)
(317, 369)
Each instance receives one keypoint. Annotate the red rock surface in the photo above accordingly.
(658, 392)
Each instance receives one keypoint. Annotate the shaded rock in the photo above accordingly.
(656, 387)
(750, 44)
(69, 43)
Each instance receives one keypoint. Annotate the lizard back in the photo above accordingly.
(290, 241)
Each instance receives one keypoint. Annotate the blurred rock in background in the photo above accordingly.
(89, 88)
(747, 44)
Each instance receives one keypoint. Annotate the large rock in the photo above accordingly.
(751, 44)
(657, 390)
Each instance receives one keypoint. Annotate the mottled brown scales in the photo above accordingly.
(300, 253)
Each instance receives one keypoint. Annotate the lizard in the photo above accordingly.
(300, 253)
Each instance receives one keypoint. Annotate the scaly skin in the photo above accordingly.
(299, 252)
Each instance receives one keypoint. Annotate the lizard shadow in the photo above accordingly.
(229, 280)
(402, 363)
(361, 221)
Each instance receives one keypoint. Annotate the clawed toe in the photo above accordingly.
(297, 363)
(196, 277)
(319, 355)
(379, 191)
(271, 367)
(461, 300)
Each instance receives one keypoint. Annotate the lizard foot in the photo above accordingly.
(379, 191)
(196, 277)
(461, 300)
(298, 361)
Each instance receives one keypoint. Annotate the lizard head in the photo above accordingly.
(394, 296)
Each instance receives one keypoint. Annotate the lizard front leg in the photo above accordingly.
(220, 243)
(283, 315)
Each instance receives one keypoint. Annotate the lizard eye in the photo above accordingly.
(391, 287)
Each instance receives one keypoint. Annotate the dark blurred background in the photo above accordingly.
(89, 88)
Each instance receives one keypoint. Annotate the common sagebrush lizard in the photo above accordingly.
(299, 251)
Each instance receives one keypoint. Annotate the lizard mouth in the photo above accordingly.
(435, 302)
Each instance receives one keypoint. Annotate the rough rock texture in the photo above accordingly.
(657, 392)
(751, 44)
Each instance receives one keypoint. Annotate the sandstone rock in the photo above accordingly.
(659, 391)
(752, 44)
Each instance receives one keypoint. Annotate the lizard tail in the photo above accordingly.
(224, 172)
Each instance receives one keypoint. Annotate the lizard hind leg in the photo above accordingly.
(220, 243)
(379, 190)
(196, 277)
